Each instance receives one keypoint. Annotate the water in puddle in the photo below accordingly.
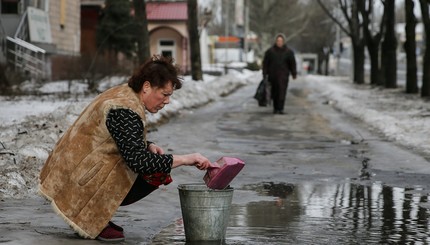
(323, 213)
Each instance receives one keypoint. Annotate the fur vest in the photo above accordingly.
(85, 176)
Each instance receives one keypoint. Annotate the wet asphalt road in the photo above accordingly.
(311, 145)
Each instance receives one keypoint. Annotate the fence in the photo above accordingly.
(23, 56)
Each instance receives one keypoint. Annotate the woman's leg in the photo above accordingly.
(282, 94)
(139, 190)
(275, 96)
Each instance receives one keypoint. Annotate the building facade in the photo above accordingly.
(167, 26)
(168, 31)
(38, 35)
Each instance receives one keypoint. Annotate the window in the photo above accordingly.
(167, 53)
(167, 43)
(9, 6)
(166, 47)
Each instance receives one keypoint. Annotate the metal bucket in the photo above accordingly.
(205, 212)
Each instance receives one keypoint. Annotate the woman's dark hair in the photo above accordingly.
(158, 71)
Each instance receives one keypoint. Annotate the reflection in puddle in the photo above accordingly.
(324, 213)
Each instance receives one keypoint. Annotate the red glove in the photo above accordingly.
(158, 179)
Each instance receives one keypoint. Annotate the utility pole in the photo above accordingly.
(245, 35)
(227, 23)
(337, 50)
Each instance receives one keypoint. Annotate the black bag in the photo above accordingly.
(260, 94)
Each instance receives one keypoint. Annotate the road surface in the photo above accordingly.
(309, 147)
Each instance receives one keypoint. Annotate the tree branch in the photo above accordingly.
(381, 25)
(299, 31)
(333, 18)
(344, 8)
(271, 8)
(425, 14)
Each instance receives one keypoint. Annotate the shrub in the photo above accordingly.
(253, 66)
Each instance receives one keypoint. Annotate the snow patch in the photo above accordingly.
(400, 117)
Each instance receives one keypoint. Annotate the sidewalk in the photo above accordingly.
(312, 142)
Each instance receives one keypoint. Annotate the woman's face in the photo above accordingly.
(279, 42)
(155, 98)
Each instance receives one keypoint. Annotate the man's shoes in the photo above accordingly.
(278, 112)
(110, 234)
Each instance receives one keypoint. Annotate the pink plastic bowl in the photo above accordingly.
(222, 172)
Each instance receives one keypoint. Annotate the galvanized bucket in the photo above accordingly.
(205, 212)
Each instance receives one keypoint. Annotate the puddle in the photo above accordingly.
(324, 213)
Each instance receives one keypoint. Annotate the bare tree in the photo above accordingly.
(196, 64)
(142, 34)
(425, 90)
(410, 48)
(350, 12)
(318, 36)
(270, 17)
(373, 41)
(389, 45)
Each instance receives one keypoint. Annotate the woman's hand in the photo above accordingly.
(195, 159)
(155, 149)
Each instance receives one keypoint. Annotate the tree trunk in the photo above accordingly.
(389, 46)
(357, 43)
(375, 70)
(323, 63)
(358, 58)
(321, 59)
(425, 90)
(142, 34)
(382, 78)
(327, 66)
(410, 49)
(372, 42)
(196, 64)
(355, 32)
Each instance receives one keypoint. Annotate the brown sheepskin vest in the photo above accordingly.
(85, 176)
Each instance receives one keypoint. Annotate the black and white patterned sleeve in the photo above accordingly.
(127, 130)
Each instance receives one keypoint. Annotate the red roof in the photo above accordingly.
(166, 11)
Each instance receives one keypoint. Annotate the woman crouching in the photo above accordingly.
(104, 161)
